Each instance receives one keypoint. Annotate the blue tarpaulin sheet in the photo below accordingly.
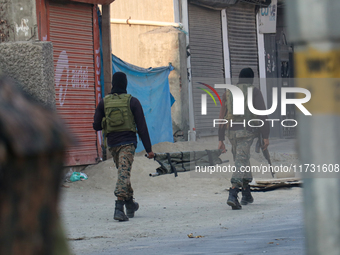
(151, 87)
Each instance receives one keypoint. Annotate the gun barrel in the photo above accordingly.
(153, 174)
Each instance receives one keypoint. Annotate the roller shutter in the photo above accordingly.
(206, 49)
(242, 40)
(71, 32)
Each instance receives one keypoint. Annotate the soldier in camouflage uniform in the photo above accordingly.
(241, 138)
(121, 116)
(123, 158)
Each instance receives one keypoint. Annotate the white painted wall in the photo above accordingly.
(226, 56)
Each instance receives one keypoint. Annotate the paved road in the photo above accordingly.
(278, 235)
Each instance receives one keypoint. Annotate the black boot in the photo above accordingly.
(119, 211)
(131, 207)
(247, 198)
(232, 199)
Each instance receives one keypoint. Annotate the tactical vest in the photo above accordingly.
(118, 114)
(248, 115)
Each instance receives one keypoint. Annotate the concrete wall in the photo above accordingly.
(6, 26)
(31, 64)
(124, 38)
(159, 47)
(153, 46)
(18, 20)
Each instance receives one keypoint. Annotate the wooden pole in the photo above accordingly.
(106, 39)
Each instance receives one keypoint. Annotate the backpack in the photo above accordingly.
(118, 114)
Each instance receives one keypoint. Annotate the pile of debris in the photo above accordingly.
(271, 184)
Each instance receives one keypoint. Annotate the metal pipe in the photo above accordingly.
(130, 21)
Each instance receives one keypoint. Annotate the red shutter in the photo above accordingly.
(71, 32)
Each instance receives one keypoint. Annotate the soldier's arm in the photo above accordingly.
(142, 128)
(99, 114)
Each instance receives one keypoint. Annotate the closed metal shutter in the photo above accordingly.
(242, 40)
(71, 32)
(206, 49)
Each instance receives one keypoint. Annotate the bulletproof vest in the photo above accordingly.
(229, 103)
(118, 114)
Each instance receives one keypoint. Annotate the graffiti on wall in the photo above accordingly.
(270, 63)
(24, 28)
(67, 75)
(98, 86)
(267, 18)
(62, 66)
(269, 11)
(80, 77)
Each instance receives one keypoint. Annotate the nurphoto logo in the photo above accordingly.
(238, 104)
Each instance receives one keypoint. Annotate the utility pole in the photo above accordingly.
(314, 28)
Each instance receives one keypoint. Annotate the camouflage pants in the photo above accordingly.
(123, 158)
(241, 140)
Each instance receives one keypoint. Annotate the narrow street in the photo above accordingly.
(278, 235)
(203, 104)
(171, 208)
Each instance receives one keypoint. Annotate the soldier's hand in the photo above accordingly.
(265, 144)
(221, 146)
(150, 155)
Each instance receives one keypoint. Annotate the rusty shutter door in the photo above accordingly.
(207, 66)
(242, 40)
(71, 32)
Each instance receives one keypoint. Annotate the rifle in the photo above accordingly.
(259, 144)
